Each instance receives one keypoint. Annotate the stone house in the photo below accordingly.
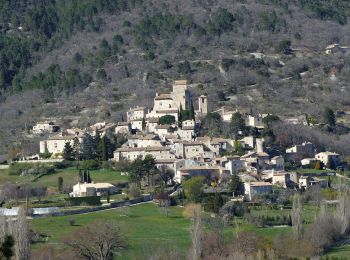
(45, 127)
(93, 189)
(132, 153)
(326, 157)
(55, 145)
(253, 189)
(136, 113)
(306, 149)
(123, 128)
(209, 172)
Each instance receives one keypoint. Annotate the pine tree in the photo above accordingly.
(68, 151)
(88, 147)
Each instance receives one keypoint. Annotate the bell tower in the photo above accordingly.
(203, 105)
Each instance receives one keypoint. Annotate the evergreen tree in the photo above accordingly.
(149, 165)
(192, 113)
(88, 147)
(88, 177)
(104, 148)
(76, 149)
(329, 117)
(108, 196)
(81, 176)
(331, 164)
(143, 124)
(97, 146)
(6, 247)
(60, 184)
(136, 171)
(179, 116)
(237, 124)
(68, 151)
(236, 185)
(85, 176)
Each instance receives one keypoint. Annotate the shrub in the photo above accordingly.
(190, 209)
(90, 165)
(167, 120)
(64, 164)
(134, 191)
(19, 168)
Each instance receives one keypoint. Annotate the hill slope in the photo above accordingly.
(86, 62)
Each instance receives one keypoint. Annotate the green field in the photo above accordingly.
(309, 212)
(69, 175)
(312, 171)
(144, 227)
(339, 252)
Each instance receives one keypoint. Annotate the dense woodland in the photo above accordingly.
(87, 61)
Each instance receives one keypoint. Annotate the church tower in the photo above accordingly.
(203, 105)
(181, 94)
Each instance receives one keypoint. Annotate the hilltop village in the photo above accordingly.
(171, 133)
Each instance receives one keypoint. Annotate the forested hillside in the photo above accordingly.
(87, 61)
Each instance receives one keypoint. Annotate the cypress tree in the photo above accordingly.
(81, 177)
(143, 124)
(104, 148)
(60, 184)
(192, 114)
(97, 151)
(88, 178)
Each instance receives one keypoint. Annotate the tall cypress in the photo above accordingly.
(192, 115)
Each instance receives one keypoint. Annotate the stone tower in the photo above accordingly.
(181, 94)
(259, 145)
(203, 105)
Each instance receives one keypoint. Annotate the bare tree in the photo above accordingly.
(22, 236)
(297, 220)
(196, 234)
(99, 240)
(343, 213)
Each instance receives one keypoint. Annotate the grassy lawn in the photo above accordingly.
(339, 252)
(309, 212)
(144, 227)
(5, 177)
(312, 171)
(71, 175)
